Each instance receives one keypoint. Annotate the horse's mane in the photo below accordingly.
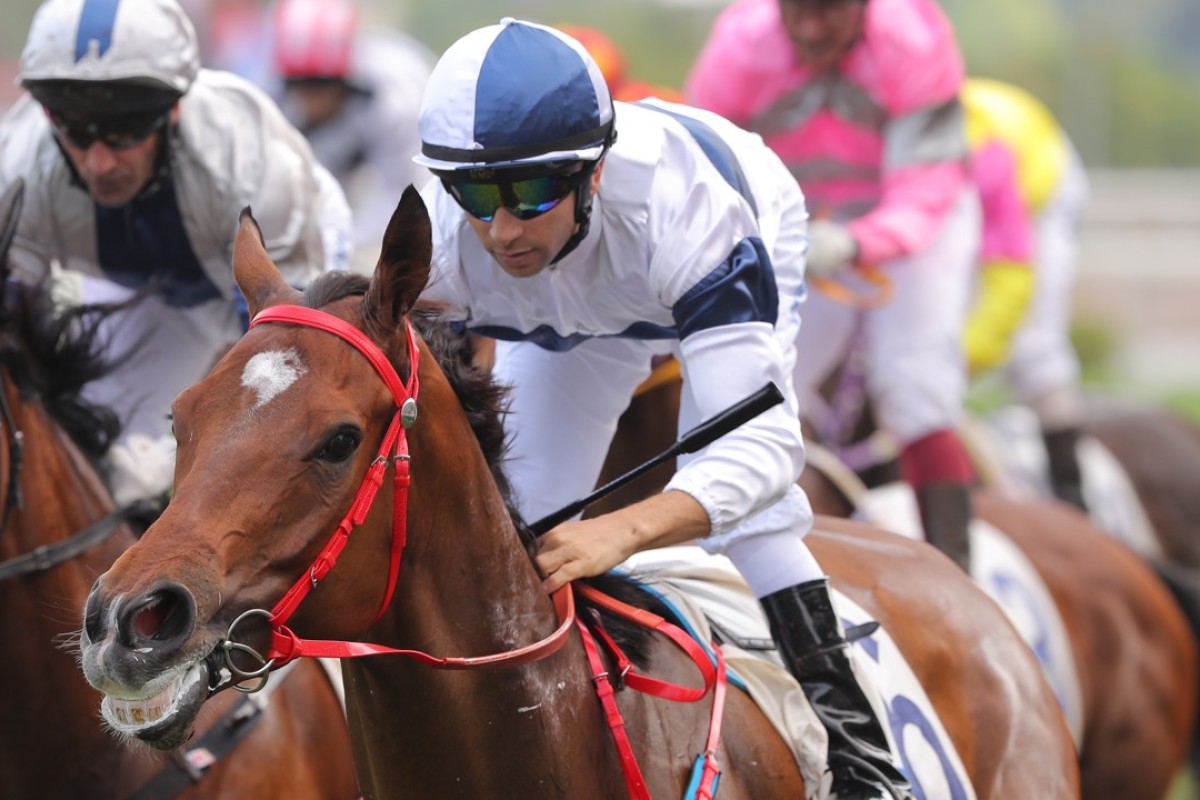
(484, 400)
(52, 354)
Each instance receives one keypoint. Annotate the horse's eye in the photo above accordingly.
(340, 447)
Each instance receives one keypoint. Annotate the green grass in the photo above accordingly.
(1186, 402)
(1184, 789)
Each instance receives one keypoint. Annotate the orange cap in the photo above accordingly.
(603, 50)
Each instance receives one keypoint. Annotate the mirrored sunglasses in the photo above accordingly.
(524, 199)
(117, 133)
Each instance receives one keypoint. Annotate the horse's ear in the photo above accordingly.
(403, 266)
(253, 270)
(10, 214)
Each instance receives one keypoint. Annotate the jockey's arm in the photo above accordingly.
(1006, 281)
(585, 548)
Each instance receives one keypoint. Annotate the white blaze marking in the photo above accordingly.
(271, 372)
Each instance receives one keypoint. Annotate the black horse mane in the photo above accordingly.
(484, 400)
(52, 354)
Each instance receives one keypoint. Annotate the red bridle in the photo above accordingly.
(285, 645)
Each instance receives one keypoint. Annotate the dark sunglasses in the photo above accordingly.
(117, 133)
(524, 199)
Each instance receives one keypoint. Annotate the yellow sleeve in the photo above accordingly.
(1005, 292)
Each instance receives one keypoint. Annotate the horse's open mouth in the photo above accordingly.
(163, 721)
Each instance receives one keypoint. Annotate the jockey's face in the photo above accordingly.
(822, 30)
(112, 175)
(316, 102)
(523, 248)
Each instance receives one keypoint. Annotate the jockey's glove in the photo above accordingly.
(1004, 294)
(139, 467)
(831, 247)
(70, 288)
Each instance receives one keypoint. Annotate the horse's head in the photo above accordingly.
(272, 448)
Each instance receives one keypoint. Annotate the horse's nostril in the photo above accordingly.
(148, 621)
(163, 615)
(92, 617)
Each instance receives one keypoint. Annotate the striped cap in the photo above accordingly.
(150, 41)
(513, 94)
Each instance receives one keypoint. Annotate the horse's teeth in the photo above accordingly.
(133, 714)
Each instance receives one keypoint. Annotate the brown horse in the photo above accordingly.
(253, 509)
(60, 530)
(1157, 453)
(1160, 453)
(1135, 657)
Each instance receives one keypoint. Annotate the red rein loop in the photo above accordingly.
(393, 451)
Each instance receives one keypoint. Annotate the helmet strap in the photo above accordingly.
(583, 204)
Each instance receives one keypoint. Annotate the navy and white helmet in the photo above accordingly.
(109, 56)
(514, 95)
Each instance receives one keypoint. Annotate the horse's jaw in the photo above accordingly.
(163, 720)
(160, 710)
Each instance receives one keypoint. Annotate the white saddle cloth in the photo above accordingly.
(707, 587)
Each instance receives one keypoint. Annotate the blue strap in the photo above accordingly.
(693, 786)
(545, 337)
(741, 288)
(716, 149)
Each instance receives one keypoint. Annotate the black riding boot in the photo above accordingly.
(946, 517)
(815, 650)
(1066, 478)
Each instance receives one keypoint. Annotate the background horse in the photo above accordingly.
(1135, 657)
(252, 510)
(60, 530)
(1160, 453)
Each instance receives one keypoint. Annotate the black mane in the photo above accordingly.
(52, 354)
(484, 401)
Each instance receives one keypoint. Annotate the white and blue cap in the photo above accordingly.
(511, 95)
(96, 54)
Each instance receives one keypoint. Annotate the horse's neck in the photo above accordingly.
(61, 494)
(468, 588)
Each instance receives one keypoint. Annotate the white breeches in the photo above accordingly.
(915, 369)
(1043, 361)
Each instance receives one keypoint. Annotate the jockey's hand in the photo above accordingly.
(590, 547)
(831, 248)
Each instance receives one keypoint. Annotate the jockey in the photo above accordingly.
(1033, 189)
(860, 98)
(355, 92)
(585, 253)
(136, 164)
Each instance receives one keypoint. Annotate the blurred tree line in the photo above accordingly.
(1124, 77)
